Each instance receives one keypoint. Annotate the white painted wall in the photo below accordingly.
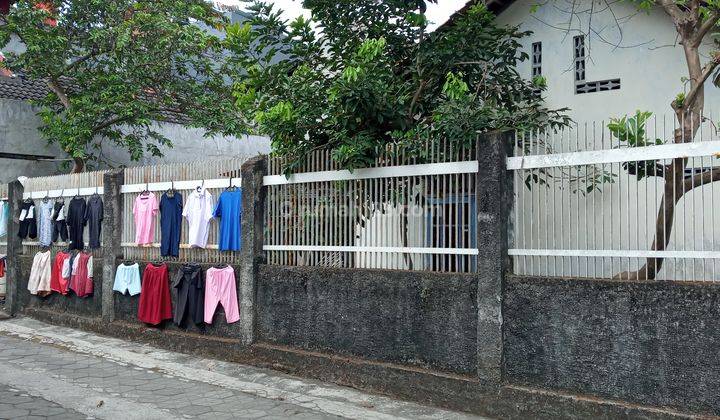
(647, 60)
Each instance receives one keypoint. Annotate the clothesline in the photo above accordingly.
(157, 245)
(134, 188)
(181, 185)
(67, 192)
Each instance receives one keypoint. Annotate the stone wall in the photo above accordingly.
(653, 343)
(413, 318)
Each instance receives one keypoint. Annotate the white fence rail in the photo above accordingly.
(398, 214)
(583, 207)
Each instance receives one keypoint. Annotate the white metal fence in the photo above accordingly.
(61, 187)
(588, 203)
(400, 213)
(214, 176)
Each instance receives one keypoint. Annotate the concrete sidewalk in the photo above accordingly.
(55, 372)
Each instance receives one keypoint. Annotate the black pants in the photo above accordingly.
(60, 230)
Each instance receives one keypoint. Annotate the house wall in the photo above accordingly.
(647, 59)
(19, 134)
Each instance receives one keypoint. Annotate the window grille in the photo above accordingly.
(581, 86)
(536, 59)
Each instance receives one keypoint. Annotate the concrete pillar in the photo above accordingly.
(14, 248)
(494, 195)
(251, 254)
(111, 238)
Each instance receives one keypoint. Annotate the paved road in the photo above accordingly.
(59, 373)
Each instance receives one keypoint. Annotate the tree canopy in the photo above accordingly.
(114, 67)
(362, 74)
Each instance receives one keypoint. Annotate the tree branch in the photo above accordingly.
(55, 86)
(705, 27)
(700, 179)
(81, 60)
(673, 10)
(700, 84)
(111, 122)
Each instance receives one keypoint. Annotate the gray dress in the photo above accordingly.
(45, 224)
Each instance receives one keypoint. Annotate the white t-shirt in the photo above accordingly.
(198, 211)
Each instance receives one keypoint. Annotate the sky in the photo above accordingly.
(437, 13)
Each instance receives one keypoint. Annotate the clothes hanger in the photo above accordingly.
(231, 187)
(220, 266)
(146, 191)
(200, 187)
(47, 197)
(171, 192)
(96, 192)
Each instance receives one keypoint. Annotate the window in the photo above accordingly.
(452, 223)
(536, 59)
(582, 86)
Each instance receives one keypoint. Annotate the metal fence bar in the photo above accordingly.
(590, 204)
(400, 212)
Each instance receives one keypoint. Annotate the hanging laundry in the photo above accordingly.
(3, 265)
(145, 209)
(39, 282)
(170, 224)
(155, 304)
(4, 217)
(76, 222)
(60, 229)
(220, 287)
(94, 214)
(28, 225)
(58, 281)
(81, 281)
(199, 211)
(44, 222)
(229, 210)
(190, 285)
(127, 279)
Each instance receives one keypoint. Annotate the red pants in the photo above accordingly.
(155, 304)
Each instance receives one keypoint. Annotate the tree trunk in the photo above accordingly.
(673, 190)
(404, 227)
(689, 117)
(78, 166)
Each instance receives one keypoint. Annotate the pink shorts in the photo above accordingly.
(220, 288)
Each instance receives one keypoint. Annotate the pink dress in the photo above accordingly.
(145, 209)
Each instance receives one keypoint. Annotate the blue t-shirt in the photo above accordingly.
(229, 210)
